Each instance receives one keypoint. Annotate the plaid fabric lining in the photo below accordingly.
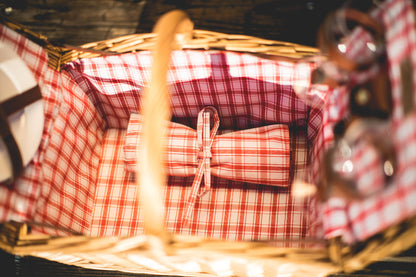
(230, 210)
(57, 187)
(260, 155)
(78, 178)
(20, 203)
(71, 161)
(235, 79)
(248, 92)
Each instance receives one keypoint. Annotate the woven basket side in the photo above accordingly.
(200, 40)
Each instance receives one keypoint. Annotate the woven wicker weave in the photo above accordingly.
(201, 39)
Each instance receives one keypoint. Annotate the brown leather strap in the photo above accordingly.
(21, 100)
(11, 145)
(7, 108)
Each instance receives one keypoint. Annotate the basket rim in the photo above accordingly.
(203, 40)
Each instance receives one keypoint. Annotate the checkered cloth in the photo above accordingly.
(259, 155)
(247, 92)
(359, 220)
(78, 179)
(58, 185)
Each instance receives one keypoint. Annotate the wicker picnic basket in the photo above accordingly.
(191, 251)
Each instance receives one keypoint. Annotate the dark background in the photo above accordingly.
(77, 22)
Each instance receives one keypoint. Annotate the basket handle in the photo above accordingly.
(151, 175)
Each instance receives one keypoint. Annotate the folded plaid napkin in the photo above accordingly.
(258, 155)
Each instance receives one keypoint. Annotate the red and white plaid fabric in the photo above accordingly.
(57, 187)
(258, 155)
(248, 92)
(359, 220)
(78, 179)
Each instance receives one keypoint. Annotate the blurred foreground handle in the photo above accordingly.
(156, 112)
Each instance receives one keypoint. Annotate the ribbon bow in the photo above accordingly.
(258, 155)
(205, 141)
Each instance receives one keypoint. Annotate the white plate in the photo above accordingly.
(26, 125)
